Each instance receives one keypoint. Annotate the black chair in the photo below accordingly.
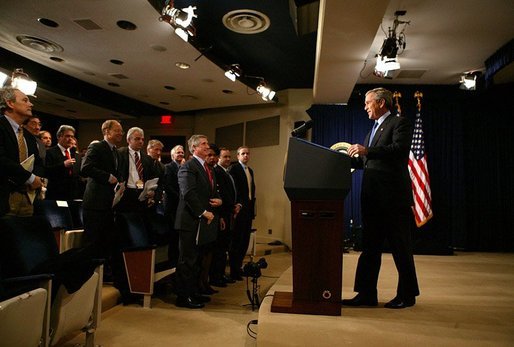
(75, 207)
(65, 217)
(139, 254)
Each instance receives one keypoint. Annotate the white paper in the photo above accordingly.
(28, 164)
(62, 203)
(150, 186)
(118, 193)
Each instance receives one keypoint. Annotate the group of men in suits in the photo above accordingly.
(212, 191)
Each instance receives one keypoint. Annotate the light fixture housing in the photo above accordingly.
(233, 72)
(180, 19)
(266, 93)
(21, 80)
(3, 78)
(386, 67)
(468, 81)
(387, 59)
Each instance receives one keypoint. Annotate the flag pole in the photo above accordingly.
(418, 95)
(397, 95)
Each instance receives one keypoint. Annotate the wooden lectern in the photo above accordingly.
(317, 180)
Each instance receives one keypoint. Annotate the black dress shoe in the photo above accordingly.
(229, 280)
(218, 283)
(236, 277)
(201, 298)
(360, 300)
(399, 302)
(208, 291)
(188, 302)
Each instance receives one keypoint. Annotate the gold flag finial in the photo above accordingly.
(397, 95)
(418, 95)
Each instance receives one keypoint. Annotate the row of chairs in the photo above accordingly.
(144, 240)
(45, 295)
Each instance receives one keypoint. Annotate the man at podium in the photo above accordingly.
(386, 198)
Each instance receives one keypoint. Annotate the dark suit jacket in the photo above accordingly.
(238, 173)
(226, 191)
(12, 175)
(123, 166)
(97, 166)
(386, 185)
(170, 186)
(61, 185)
(195, 192)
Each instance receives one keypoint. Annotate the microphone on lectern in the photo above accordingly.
(302, 129)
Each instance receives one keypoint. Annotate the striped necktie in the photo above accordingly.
(139, 165)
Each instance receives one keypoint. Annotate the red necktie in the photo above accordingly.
(68, 156)
(139, 165)
(209, 174)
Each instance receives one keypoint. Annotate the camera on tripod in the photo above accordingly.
(253, 269)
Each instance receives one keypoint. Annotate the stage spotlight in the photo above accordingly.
(265, 92)
(468, 81)
(3, 78)
(180, 19)
(385, 66)
(20, 80)
(233, 72)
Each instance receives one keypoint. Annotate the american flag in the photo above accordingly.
(418, 171)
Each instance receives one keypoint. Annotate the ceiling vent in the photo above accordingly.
(39, 44)
(87, 24)
(246, 21)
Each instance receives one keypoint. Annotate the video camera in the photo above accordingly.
(253, 269)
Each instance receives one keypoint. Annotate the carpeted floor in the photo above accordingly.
(223, 322)
(466, 300)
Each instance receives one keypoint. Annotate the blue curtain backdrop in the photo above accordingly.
(467, 146)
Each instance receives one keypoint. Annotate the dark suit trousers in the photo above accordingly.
(219, 255)
(189, 264)
(395, 228)
(99, 230)
(240, 240)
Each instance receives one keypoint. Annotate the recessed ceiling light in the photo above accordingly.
(228, 91)
(117, 62)
(170, 87)
(126, 25)
(57, 59)
(182, 65)
(48, 22)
